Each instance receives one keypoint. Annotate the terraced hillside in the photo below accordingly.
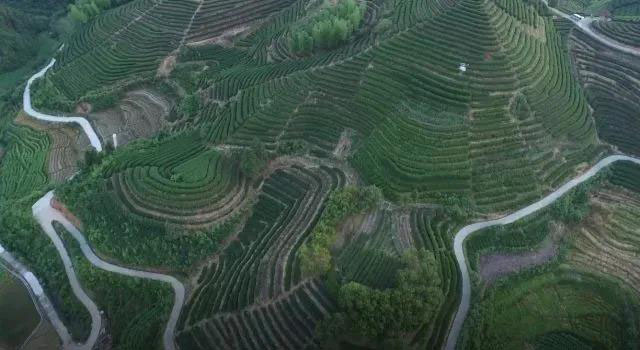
(622, 31)
(611, 82)
(234, 143)
(180, 184)
(514, 121)
(24, 166)
(253, 295)
(66, 149)
(589, 279)
(139, 114)
(607, 240)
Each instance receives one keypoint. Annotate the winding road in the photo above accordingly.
(45, 214)
(585, 25)
(461, 236)
(28, 108)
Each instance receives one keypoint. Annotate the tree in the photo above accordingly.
(315, 259)
(375, 314)
(77, 14)
(253, 159)
(189, 106)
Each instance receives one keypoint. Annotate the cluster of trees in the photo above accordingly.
(189, 106)
(315, 256)
(17, 35)
(575, 205)
(131, 239)
(22, 236)
(253, 160)
(330, 28)
(82, 11)
(45, 95)
(136, 308)
(379, 317)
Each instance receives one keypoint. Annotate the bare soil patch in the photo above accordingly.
(83, 108)
(494, 266)
(343, 148)
(140, 114)
(166, 66)
(68, 145)
(224, 39)
(56, 204)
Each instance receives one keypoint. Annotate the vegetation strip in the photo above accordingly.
(86, 127)
(585, 25)
(45, 214)
(35, 289)
(466, 231)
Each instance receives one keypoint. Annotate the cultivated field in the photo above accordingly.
(249, 135)
(18, 315)
(583, 296)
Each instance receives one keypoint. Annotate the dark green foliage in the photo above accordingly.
(294, 147)
(375, 314)
(253, 160)
(520, 108)
(45, 94)
(17, 31)
(189, 106)
(573, 206)
(82, 11)
(328, 29)
(22, 236)
(315, 255)
(137, 309)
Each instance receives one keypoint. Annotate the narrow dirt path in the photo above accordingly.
(461, 236)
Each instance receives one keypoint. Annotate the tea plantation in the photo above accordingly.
(302, 167)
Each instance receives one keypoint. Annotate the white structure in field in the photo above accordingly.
(463, 67)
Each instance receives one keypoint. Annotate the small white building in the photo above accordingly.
(463, 67)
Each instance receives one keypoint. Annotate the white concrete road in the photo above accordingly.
(44, 305)
(28, 108)
(585, 25)
(461, 236)
(45, 214)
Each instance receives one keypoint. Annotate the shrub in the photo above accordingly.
(315, 256)
(330, 28)
(374, 313)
